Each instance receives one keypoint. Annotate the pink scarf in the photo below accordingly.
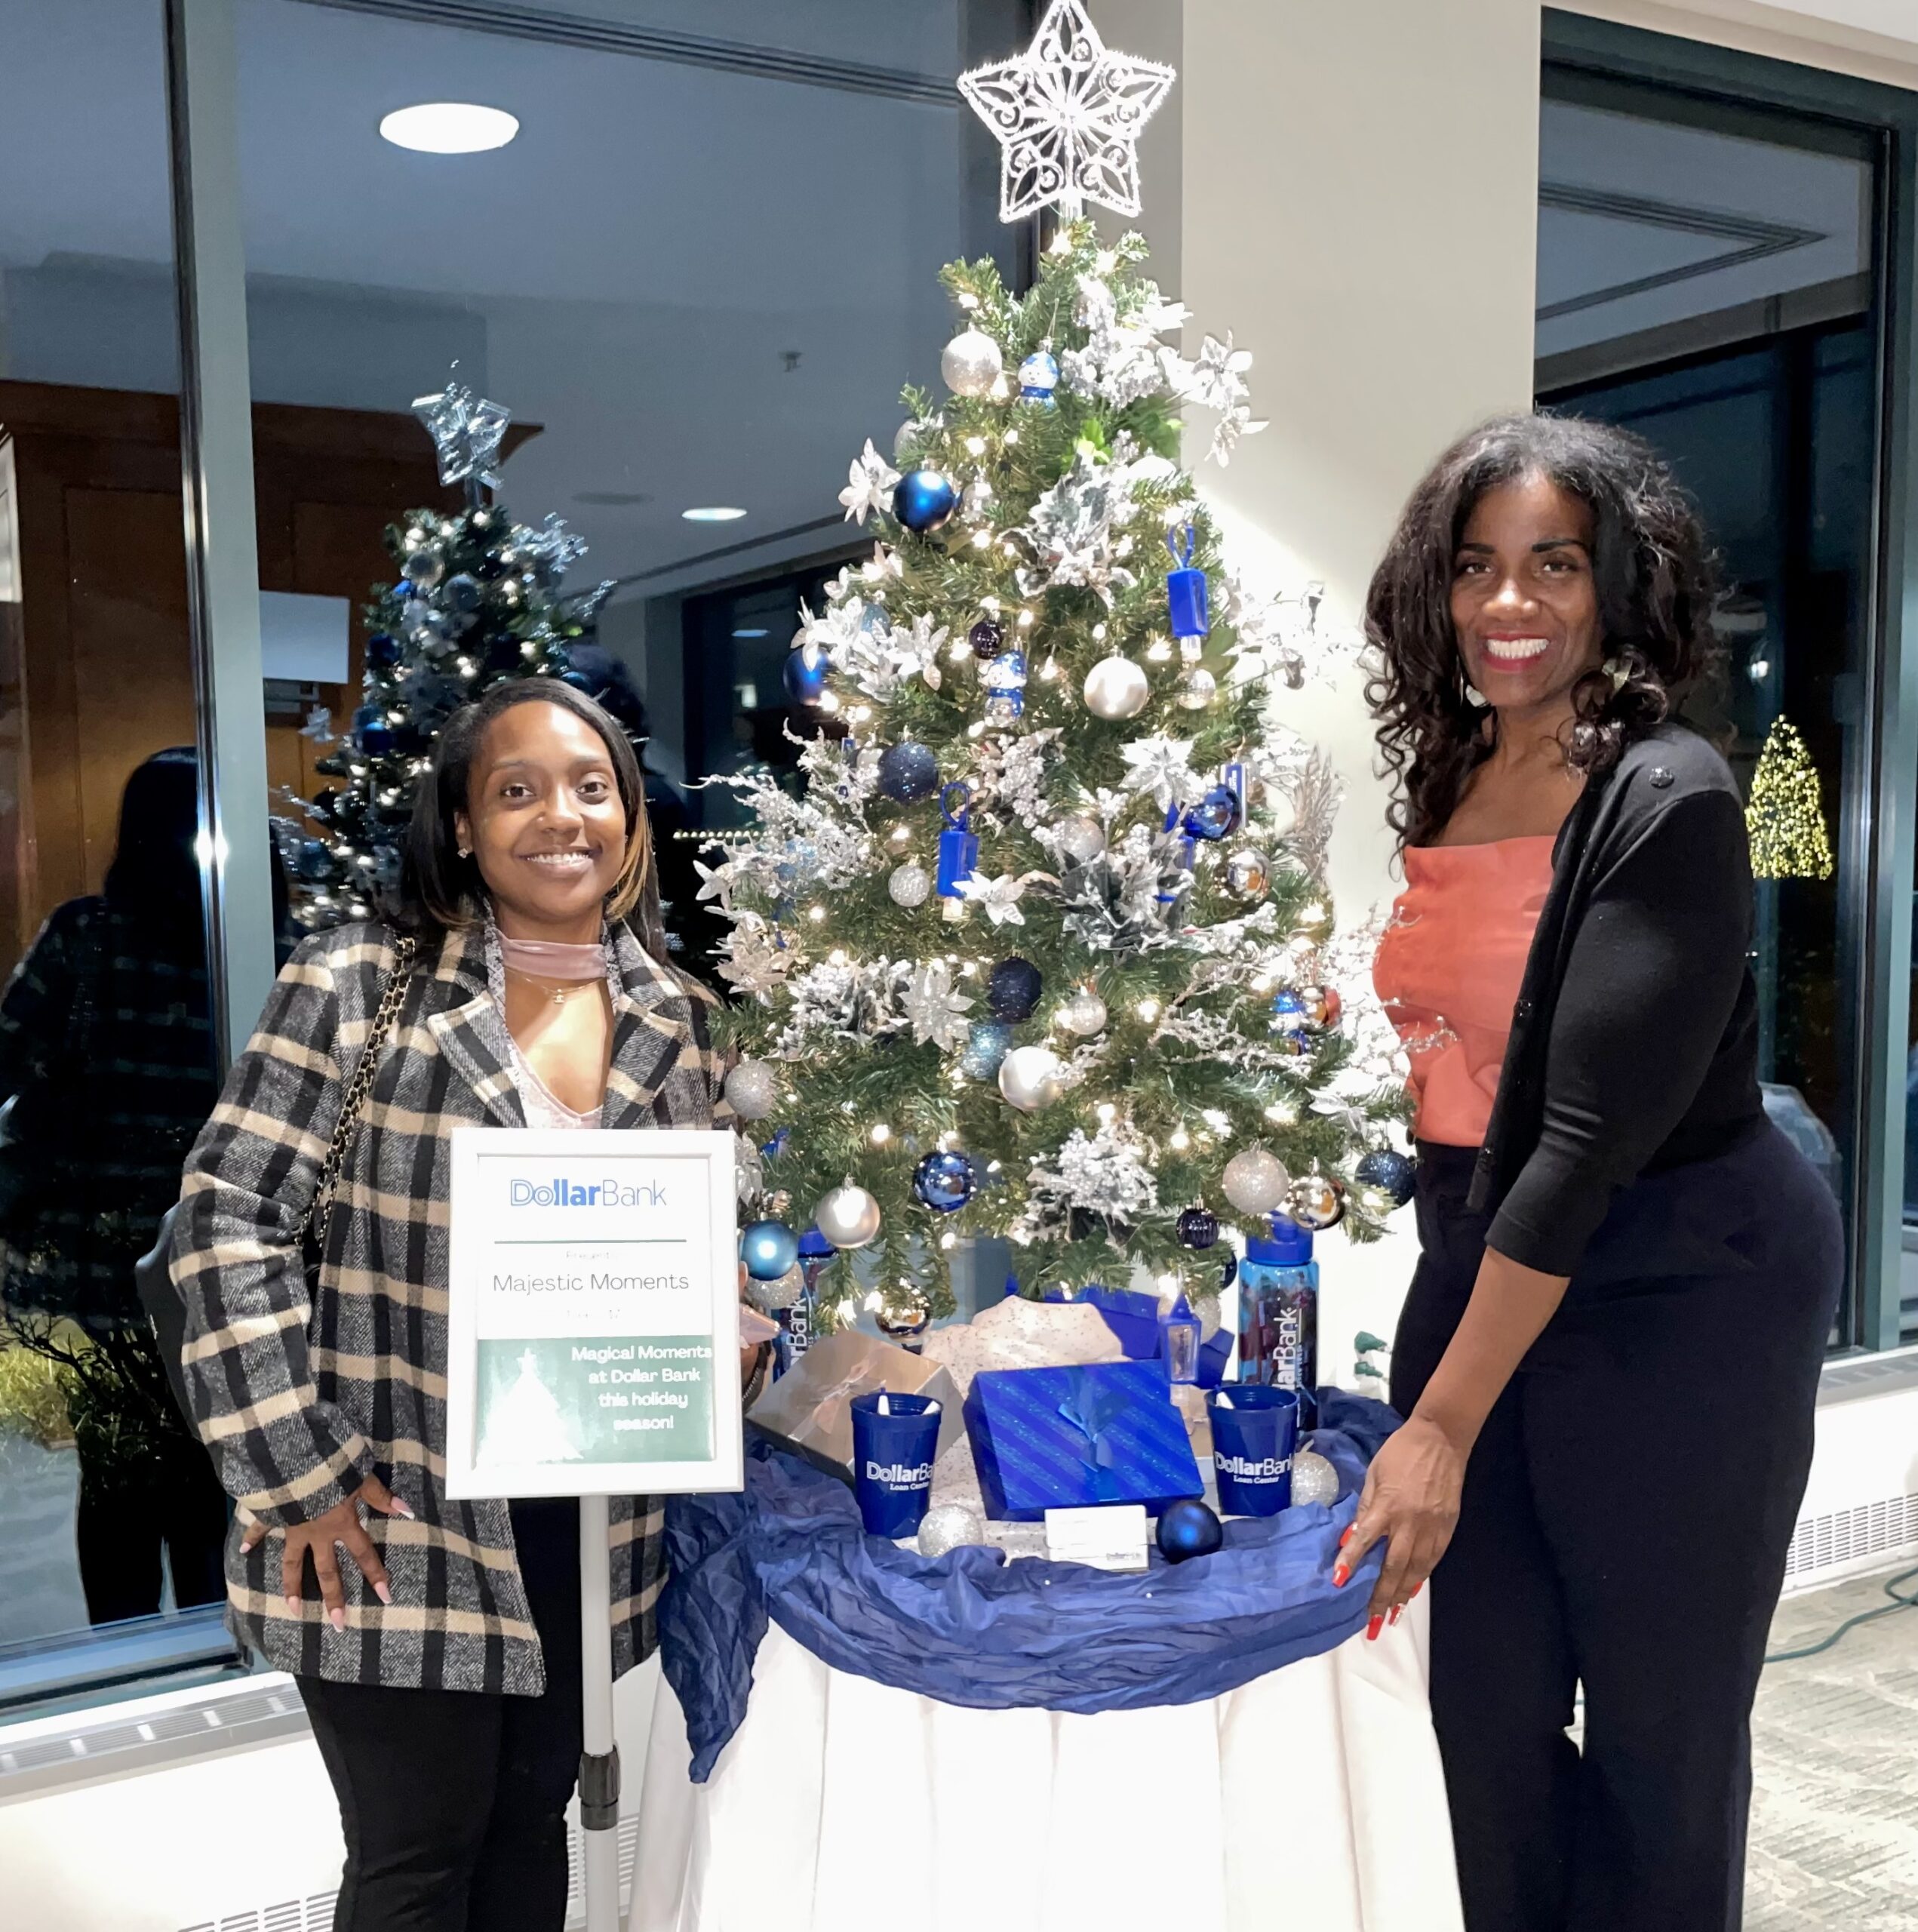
(547, 959)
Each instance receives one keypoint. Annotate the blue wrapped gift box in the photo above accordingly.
(1062, 1438)
(1131, 1316)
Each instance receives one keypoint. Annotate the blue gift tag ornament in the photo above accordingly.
(1189, 1528)
(768, 1248)
(805, 673)
(1038, 377)
(958, 854)
(924, 499)
(944, 1182)
(1186, 595)
(908, 772)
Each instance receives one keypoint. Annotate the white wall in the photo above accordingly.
(1876, 40)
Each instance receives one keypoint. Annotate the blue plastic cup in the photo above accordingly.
(895, 1440)
(1255, 1429)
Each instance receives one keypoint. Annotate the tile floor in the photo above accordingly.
(1834, 1820)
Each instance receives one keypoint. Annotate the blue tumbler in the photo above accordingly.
(1255, 1429)
(895, 1439)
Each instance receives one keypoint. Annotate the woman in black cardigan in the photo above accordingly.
(1609, 1354)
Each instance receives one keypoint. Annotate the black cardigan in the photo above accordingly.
(1634, 1042)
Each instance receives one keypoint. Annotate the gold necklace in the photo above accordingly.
(560, 990)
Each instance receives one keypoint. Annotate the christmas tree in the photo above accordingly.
(477, 599)
(1785, 816)
(1041, 947)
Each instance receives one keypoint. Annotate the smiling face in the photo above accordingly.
(1524, 606)
(545, 823)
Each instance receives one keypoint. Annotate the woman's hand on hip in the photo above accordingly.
(1410, 1503)
(341, 1528)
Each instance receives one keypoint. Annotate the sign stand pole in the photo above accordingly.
(599, 1767)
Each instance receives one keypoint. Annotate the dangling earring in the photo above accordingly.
(1617, 671)
(1475, 697)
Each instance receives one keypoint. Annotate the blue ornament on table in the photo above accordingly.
(805, 672)
(987, 1042)
(1012, 989)
(768, 1248)
(924, 499)
(946, 1182)
(1198, 1228)
(1189, 1528)
(383, 651)
(1038, 377)
(908, 772)
(1395, 1175)
(1216, 816)
(371, 732)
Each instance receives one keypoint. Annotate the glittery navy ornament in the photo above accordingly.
(1391, 1173)
(382, 651)
(1186, 596)
(1012, 989)
(1198, 1228)
(987, 1042)
(1038, 377)
(908, 772)
(804, 674)
(768, 1248)
(958, 854)
(944, 1182)
(987, 639)
(1189, 1528)
(1215, 816)
(924, 499)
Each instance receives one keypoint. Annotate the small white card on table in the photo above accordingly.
(1111, 1536)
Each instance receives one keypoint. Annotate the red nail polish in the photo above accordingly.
(1345, 1539)
(1341, 1575)
(1372, 1629)
(1415, 1588)
(1397, 1611)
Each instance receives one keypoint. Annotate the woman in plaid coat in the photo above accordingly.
(436, 1642)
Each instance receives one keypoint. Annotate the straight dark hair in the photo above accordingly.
(439, 892)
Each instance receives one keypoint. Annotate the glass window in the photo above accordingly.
(1706, 278)
(110, 1521)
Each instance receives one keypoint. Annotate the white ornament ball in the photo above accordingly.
(1084, 1013)
(1081, 839)
(909, 884)
(971, 363)
(1255, 1181)
(769, 1297)
(1028, 1078)
(1117, 687)
(949, 1526)
(848, 1217)
(1313, 1479)
(752, 1090)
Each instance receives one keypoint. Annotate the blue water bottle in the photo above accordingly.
(1279, 1314)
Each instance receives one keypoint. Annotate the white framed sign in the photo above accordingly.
(593, 1327)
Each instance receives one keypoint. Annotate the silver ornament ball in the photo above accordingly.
(909, 884)
(848, 1217)
(1316, 1201)
(951, 1526)
(752, 1090)
(1028, 1078)
(1248, 873)
(1197, 688)
(1080, 838)
(1255, 1181)
(1116, 687)
(1084, 1013)
(971, 363)
(769, 1297)
(1313, 1479)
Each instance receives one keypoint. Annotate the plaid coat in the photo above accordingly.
(299, 1398)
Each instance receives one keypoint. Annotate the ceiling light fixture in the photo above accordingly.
(713, 513)
(758, 630)
(449, 127)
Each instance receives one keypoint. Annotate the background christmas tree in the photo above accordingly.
(1041, 948)
(1786, 815)
(476, 599)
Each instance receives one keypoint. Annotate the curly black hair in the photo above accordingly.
(1652, 572)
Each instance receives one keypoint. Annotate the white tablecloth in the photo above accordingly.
(1312, 1798)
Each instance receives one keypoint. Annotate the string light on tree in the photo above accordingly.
(1786, 815)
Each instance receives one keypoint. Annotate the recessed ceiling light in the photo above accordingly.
(713, 513)
(754, 630)
(449, 127)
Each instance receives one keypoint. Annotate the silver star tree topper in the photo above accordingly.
(467, 433)
(1068, 113)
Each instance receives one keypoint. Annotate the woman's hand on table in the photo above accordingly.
(1410, 1503)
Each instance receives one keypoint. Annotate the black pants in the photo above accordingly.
(453, 1802)
(1626, 1516)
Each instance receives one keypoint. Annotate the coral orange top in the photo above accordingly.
(1448, 971)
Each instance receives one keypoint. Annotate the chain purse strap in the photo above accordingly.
(319, 1211)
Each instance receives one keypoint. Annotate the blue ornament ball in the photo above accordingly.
(1198, 1228)
(944, 1182)
(908, 772)
(986, 1044)
(312, 860)
(1215, 816)
(464, 593)
(768, 1248)
(1189, 1528)
(924, 499)
(383, 651)
(371, 732)
(1012, 989)
(1394, 1174)
(805, 673)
